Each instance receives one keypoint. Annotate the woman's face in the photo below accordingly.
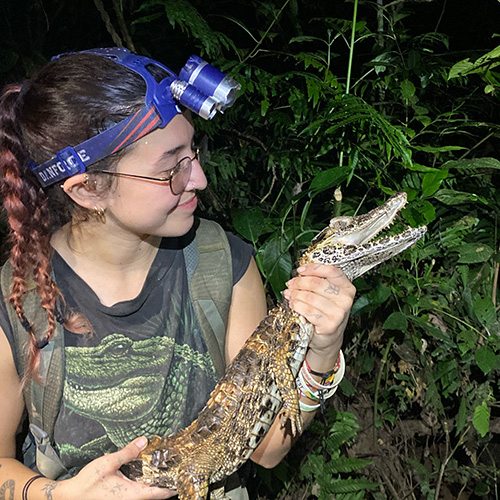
(146, 208)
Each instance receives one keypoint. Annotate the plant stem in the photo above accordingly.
(461, 321)
(383, 364)
(349, 65)
(496, 268)
(254, 51)
(351, 47)
(448, 458)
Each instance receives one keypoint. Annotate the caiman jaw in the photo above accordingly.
(346, 242)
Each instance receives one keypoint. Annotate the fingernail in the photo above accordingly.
(289, 282)
(301, 269)
(141, 442)
(287, 293)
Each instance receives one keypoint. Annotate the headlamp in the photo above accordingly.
(199, 87)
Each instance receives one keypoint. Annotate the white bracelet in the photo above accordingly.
(339, 375)
(320, 393)
(306, 407)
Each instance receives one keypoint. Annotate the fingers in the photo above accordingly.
(323, 295)
(101, 479)
(130, 451)
(332, 273)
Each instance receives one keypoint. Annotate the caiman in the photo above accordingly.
(260, 382)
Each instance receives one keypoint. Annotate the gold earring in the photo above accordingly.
(89, 183)
(99, 214)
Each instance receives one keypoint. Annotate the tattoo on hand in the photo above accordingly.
(48, 489)
(10, 486)
(116, 488)
(332, 289)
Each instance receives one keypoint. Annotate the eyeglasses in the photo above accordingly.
(178, 176)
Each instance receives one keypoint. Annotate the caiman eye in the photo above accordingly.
(339, 224)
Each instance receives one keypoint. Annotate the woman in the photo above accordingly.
(104, 248)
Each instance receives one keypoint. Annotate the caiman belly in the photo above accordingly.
(257, 386)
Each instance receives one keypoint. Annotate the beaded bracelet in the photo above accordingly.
(326, 377)
(309, 387)
(304, 389)
(334, 380)
(24, 495)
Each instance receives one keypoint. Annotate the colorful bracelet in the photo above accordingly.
(328, 376)
(24, 495)
(314, 390)
(304, 389)
(334, 381)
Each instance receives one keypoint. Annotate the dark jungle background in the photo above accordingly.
(344, 103)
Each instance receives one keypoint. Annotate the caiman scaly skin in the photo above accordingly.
(260, 384)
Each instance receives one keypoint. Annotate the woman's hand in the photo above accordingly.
(324, 296)
(101, 479)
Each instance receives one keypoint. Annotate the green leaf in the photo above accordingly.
(407, 89)
(420, 469)
(481, 419)
(485, 311)
(482, 489)
(472, 253)
(481, 65)
(473, 164)
(396, 321)
(438, 149)
(419, 212)
(329, 178)
(452, 197)
(432, 181)
(485, 359)
(250, 223)
(350, 485)
(346, 464)
(276, 262)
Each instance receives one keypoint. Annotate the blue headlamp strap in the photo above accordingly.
(75, 160)
(199, 87)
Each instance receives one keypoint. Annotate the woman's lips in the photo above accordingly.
(189, 204)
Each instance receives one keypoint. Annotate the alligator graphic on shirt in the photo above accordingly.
(122, 384)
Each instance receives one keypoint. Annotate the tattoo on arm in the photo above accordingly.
(9, 486)
(48, 489)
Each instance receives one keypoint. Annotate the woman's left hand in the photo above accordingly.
(324, 296)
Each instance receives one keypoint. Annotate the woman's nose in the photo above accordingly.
(197, 179)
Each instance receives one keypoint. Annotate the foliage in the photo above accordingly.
(336, 113)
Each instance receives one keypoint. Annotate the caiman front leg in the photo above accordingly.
(287, 387)
(192, 486)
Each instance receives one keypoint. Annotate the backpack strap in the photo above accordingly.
(42, 401)
(210, 275)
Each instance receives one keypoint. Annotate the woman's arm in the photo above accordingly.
(99, 480)
(324, 296)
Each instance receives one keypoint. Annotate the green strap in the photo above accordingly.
(42, 401)
(210, 273)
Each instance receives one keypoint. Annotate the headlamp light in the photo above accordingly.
(199, 87)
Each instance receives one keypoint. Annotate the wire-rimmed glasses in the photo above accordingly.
(178, 176)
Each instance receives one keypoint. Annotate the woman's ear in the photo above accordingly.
(82, 189)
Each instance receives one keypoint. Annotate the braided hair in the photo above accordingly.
(68, 101)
